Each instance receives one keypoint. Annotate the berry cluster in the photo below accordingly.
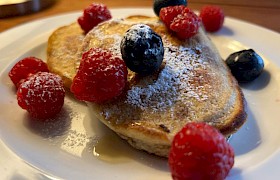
(181, 20)
(93, 15)
(39, 92)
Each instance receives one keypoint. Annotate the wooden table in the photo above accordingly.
(263, 13)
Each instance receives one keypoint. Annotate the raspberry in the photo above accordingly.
(169, 13)
(185, 25)
(42, 95)
(22, 69)
(93, 15)
(158, 4)
(199, 151)
(181, 20)
(100, 77)
(212, 18)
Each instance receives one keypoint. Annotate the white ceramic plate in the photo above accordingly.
(77, 146)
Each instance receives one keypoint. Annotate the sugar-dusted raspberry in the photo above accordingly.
(101, 76)
(212, 17)
(42, 95)
(23, 68)
(199, 151)
(93, 15)
(181, 20)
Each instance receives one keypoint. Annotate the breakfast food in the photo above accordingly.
(192, 84)
(42, 95)
(199, 151)
(176, 99)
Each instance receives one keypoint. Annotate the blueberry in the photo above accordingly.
(158, 4)
(142, 49)
(245, 65)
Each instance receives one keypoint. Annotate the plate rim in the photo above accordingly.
(70, 14)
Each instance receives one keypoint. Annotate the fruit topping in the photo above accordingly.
(158, 4)
(212, 18)
(168, 14)
(142, 49)
(180, 20)
(22, 69)
(42, 95)
(199, 151)
(245, 65)
(93, 15)
(101, 76)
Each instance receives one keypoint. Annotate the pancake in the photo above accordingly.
(63, 45)
(193, 85)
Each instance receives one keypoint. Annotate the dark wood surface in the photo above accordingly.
(260, 12)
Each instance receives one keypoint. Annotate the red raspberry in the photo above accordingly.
(199, 151)
(212, 18)
(93, 15)
(169, 13)
(181, 20)
(25, 67)
(185, 25)
(100, 76)
(42, 95)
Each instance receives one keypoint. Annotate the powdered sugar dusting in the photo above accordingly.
(173, 83)
(77, 141)
(178, 79)
(136, 31)
(158, 95)
(42, 86)
(115, 48)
